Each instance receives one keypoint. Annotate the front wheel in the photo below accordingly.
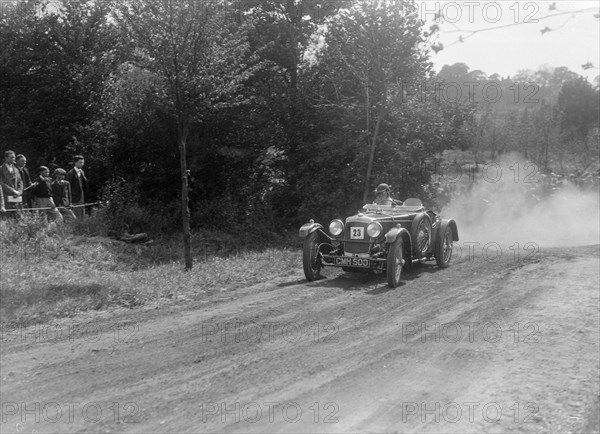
(394, 263)
(444, 249)
(310, 261)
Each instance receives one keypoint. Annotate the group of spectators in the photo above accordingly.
(61, 198)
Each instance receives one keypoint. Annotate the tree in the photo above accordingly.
(200, 53)
(458, 72)
(579, 107)
(376, 51)
(282, 34)
(53, 65)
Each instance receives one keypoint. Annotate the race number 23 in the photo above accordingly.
(357, 233)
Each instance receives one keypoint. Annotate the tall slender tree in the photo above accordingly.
(200, 52)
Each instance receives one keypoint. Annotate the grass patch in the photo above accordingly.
(51, 272)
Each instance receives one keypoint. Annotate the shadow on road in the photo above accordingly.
(292, 283)
(372, 284)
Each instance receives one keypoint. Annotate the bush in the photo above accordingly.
(125, 210)
(27, 228)
(121, 211)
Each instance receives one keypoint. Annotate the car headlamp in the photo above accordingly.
(374, 229)
(336, 227)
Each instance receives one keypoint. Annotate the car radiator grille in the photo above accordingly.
(354, 247)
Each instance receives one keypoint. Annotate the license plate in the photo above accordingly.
(357, 233)
(346, 261)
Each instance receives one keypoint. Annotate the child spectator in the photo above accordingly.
(42, 192)
(61, 193)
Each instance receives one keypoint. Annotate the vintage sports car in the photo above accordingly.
(379, 238)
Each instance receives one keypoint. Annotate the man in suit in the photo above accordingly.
(11, 183)
(20, 162)
(79, 186)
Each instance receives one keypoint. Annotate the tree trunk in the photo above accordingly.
(185, 210)
(372, 157)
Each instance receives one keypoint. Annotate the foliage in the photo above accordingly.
(53, 66)
(579, 108)
(284, 111)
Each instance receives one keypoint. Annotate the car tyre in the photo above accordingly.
(310, 260)
(421, 235)
(394, 263)
(443, 252)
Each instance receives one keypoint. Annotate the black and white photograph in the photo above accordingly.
(300, 216)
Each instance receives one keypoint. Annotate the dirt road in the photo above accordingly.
(491, 344)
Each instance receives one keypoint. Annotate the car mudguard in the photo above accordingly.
(453, 227)
(393, 233)
(443, 225)
(399, 231)
(309, 228)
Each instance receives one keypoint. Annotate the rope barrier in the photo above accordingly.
(47, 208)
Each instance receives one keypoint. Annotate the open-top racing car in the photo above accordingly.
(379, 238)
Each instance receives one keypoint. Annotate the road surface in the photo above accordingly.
(491, 344)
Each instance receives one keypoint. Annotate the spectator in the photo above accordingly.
(11, 183)
(61, 193)
(79, 185)
(20, 163)
(42, 192)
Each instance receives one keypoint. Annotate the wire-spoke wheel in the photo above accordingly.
(444, 251)
(394, 263)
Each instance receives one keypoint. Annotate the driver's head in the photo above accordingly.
(382, 194)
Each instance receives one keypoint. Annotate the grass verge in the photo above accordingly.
(50, 273)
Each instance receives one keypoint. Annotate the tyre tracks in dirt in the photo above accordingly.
(342, 354)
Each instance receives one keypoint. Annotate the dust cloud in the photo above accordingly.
(510, 202)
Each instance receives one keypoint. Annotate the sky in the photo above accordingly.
(574, 38)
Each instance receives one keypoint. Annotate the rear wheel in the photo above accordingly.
(394, 263)
(310, 260)
(443, 253)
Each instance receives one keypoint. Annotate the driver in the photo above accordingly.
(382, 196)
